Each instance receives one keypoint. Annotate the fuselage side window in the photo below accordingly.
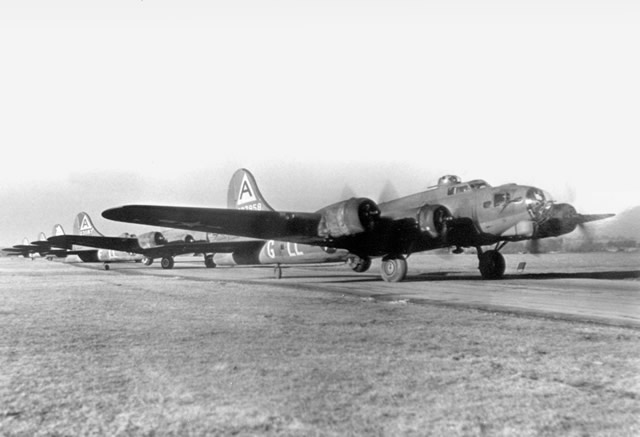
(500, 199)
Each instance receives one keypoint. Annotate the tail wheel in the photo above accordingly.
(167, 262)
(147, 261)
(277, 272)
(359, 265)
(208, 261)
(393, 269)
(492, 265)
(106, 266)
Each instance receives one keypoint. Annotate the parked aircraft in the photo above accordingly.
(126, 247)
(244, 195)
(26, 249)
(218, 249)
(39, 248)
(450, 214)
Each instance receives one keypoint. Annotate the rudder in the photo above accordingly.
(244, 193)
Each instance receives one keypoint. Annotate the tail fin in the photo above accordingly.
(244, 193)
(42, 237)
(83, 225)
(57, 230)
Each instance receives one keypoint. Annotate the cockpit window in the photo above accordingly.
(500, 199)
(477, 185)
(458, 189)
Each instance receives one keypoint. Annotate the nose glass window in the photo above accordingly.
(535, 202)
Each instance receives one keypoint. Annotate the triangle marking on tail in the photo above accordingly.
(246, 194)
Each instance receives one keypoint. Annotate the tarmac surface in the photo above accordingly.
(601, 288)
(552, 349)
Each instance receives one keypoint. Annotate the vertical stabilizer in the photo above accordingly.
(83, 225)
(244, 193)
(57, 230)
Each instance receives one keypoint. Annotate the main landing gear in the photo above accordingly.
(393, 268)
(358, 264)
(208, 261)
(167, 262)
(147, 261)
(491, 263)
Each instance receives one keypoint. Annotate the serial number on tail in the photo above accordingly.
(252, 207)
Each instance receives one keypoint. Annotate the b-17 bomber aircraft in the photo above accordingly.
(26, 249)
(40, 248)
(126, 247)
(218, 249)
(450, 214)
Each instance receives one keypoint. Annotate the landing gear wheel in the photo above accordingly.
(359, 265)
(208, 261)
(167, 262)
(492, 265)
(106, 266)
(393, 269)
(147, 261)
(277, 272)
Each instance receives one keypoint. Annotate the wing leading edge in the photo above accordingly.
(266, 225)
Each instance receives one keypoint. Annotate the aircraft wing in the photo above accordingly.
(124, 244)
(179, 248)
(267, 225)
(128, 244)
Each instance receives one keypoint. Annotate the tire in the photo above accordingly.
(208, 261)
(360, 265)
(167, 262)
(393, 269)
(277, 272)
(147, 261)
(492, 265)
(107, 267)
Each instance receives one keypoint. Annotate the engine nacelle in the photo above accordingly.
(560, 221)
(151, 239)
(348, 217)
(177, 235)
(432, 220)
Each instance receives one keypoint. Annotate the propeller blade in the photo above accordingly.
(388, 192)
(348, 192)
(534, 246)
(586, 218)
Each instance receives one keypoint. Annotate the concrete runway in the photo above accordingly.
(601, 288)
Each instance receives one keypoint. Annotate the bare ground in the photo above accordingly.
(87, 352)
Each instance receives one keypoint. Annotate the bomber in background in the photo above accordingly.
(218, 249)
(450, 214)
(41, 248)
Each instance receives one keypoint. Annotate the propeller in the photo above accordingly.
(348, 192)
(388, 192)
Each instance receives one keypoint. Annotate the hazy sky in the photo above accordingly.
(104, 103)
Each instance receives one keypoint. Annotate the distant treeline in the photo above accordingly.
(573, 246)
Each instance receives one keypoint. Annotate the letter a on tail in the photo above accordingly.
(244, 193)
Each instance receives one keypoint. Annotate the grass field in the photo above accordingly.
(85, 352)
